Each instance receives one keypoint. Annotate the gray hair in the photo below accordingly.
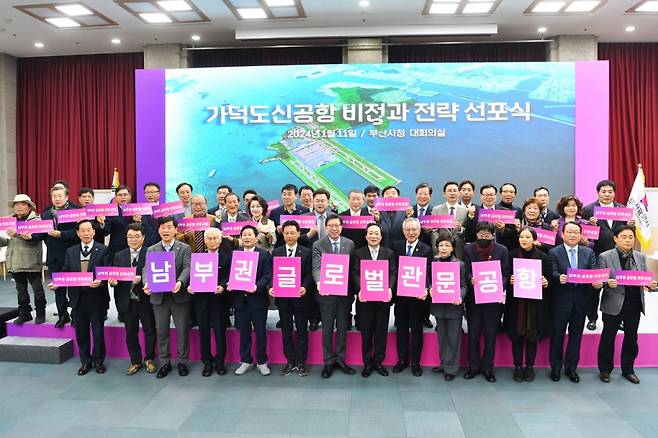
(212, 230)
(411, 220)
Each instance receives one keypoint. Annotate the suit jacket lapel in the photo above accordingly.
(92, 256)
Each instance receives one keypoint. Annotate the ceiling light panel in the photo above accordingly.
(174, 5)
(645, 7)
(564, 7)
(73, 10)
(164, 11)
(266, 9)
(460, 7)
(67, 15)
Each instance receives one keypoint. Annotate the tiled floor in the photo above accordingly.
(51, 400)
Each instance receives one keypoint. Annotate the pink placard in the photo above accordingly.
(334, 274)
(244, 265)
(68, 216)
(356, 222)
(160, 271)
(234, 228)
(115, 273)
(168, 209)
(271, 205)
(590, 232)
(204, 272)
(613, 213)
(72, 279)
(633, 278)
(305, 221)
(547, 237)
(446, 282)
(585, 276)
(287, 277)
(141, 208)
(412, 276)
(391, 204)
(193, 224)
(437, 221)
(94, 210)
(527, 278)
(38, 226)
(7, 223)
(505, 216)
(374, 281)
(488, 279)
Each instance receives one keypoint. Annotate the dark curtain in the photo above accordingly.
(266, 56)
(491, 52)
(633, 112)
(75, 121)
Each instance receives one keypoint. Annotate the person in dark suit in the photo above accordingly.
(57, 241)
(410, 312)
(423, 207)
(449, 316)
(133, 304)
(453, 208)
(373, 315)
(221, 192)
(531, 218)
(356, 208)
(150, 224)
(251, 307)
(86, 196)
(289, 206)
(390, 221)
(606, 198)
(466, 192)
(483, 319)
(546, 214)
(174, 304)
(88, 302)
(333, 309)
(621, 304)
(231, 213)
(212, 309)
(570, 301)
(296, 309)
(527, 321)
(116, 226)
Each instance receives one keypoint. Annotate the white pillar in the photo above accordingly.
(165, 56)
(570, 48)
(8, 174)
(365, 51)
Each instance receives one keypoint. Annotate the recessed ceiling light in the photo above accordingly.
(62, 22)
(443, 8)
(650, 6)
(116, 41)
(251, 13)
(175, 5)
(38, 45)
(541, 29)
(548, 6)
(477, 8)
(73, 10)
(155, 17)
(279, 3)
(582, 6)
(364, 3)
(196, 38)
(630, 28)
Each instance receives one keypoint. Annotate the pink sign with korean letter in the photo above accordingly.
(613, 213)
(374, 281)
(585, 276)
(234, 228)
(287, 277)
(488, 279)
(633, 278)
(437, 221)
(115, 273)
(204, 272)
(446, 282)
(391, 204)
(334, 274)
(505, 216)
(546, 237)
(160, 271)
(141, 208)
(38, 226)
(412, 276)
(72, 279)
(244, 265)
(304, 221)
(356, 222)
(527, 278)
(7, 223)
(168, 209)
(94, 210)
(590, 232)
(193, 224)
(68, 216)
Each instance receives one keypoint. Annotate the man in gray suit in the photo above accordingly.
(333, 309)
(175, 303)
(231, 213)
(621, 304)
(454, 208)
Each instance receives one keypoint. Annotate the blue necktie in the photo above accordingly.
(572, 258)
(409, 250)
(336, 251)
